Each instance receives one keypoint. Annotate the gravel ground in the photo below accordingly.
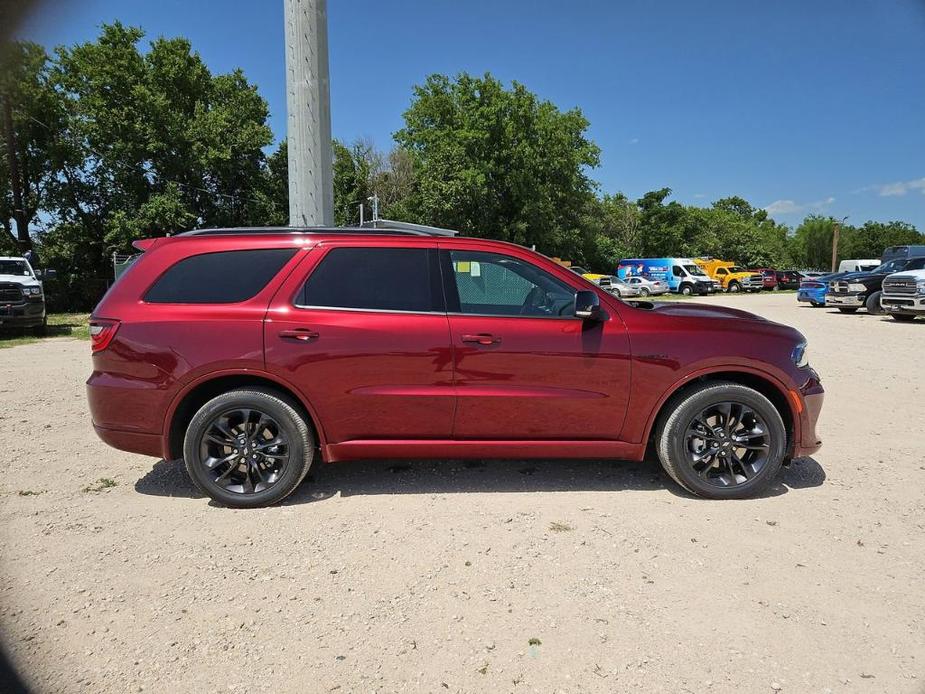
(520, 576)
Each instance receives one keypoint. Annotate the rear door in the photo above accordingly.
(526, 368)
(361, 330)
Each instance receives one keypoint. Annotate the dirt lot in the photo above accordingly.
(446, 576)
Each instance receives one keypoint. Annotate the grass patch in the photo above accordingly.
(558, 527)
(101, 484)
(535, 642)
(75, 325)
(30, 492)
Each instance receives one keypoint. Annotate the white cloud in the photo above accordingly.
(634, 141)
(899, 188)
(791, 207)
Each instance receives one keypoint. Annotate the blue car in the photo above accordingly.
(812, 289)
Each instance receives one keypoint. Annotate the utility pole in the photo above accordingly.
(835, 232)
(308, 103)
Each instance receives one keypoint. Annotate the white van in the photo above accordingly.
(858, 265)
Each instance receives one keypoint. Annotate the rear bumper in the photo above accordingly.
(131, 441)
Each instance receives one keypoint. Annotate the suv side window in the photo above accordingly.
(226, 277)
(375, 279)
(493, 284)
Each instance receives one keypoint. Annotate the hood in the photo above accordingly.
(860, 276)
(21, 280)
(686, 310)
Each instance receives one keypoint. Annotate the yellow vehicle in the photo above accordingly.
(731, 277)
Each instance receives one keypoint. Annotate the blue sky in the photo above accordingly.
(797, 105)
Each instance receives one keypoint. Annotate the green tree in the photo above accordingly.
(150, 142)
(31, 113)
(498, 162)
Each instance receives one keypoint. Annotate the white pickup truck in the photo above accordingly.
(22, 300)
(903, 295)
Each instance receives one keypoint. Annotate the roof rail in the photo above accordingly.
(384, 227)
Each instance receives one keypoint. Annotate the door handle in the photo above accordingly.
(482, 339)
(303, 334)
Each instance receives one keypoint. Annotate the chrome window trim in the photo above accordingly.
(369, 310)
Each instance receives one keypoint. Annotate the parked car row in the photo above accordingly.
(894, 285)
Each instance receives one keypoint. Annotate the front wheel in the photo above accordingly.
(686, 290)
(722, 440)
(734, 287)
(248, 448)
(816, 304)
(848, 309)
(903, 317)
(873, 304)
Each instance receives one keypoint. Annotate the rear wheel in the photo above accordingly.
(722, 440)
(903, 317)
(643, 291)
(248, 448)
(847, 309)
(873, 304)
(815, 304)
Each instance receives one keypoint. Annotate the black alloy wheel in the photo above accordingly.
(727, 444)
(721, 440)
(248, 447)
(244, 451)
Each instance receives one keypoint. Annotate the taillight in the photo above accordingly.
(101, 333)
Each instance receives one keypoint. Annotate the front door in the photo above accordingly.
(526, 368)
(363, 334)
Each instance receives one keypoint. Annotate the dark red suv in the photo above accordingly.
(251, 353)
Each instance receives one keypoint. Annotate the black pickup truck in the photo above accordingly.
(857, 290)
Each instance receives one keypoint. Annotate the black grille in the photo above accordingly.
(10, 292)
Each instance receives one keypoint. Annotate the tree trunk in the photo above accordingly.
(19, 210)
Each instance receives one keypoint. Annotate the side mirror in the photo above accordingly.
(46, 274)
(587, 305)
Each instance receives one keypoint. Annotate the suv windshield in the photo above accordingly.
(14, 267)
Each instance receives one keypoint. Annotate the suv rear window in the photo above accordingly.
(226, 277)
(378, 279)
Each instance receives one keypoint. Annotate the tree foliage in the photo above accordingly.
(111, 140)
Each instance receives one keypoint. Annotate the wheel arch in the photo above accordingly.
(196, 394)
(764, 383)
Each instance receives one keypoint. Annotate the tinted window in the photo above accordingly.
(494, 284)
(385, 279)
(218, 278)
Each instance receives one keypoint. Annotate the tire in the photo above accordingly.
(848, 309)
(903, 317)
(816, 304)
(297, 443)
(734, 287)
(686, 290)
(873, 304)
(41, 330)
(644, 291)
(751, 472)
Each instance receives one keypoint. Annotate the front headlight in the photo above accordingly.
(799, 355)
(920, 286)
(34, 291)
(856, 287)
